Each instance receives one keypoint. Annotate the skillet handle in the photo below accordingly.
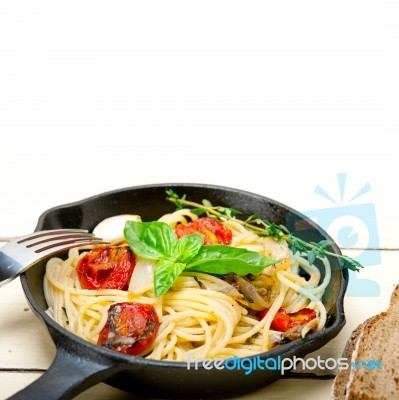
(67, 376)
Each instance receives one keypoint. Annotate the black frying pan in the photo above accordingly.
(79, 365)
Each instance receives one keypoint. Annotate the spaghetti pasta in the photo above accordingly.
(201, 315)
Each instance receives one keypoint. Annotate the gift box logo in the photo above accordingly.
(352, 226)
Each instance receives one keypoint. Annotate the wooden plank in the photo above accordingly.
(300, 389)
(12, 382)
(24, 342)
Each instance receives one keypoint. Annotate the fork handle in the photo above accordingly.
(9, 269)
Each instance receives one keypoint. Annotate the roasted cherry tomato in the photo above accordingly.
(107, 267)
(283, 321)
(130, 328)
(214, 232)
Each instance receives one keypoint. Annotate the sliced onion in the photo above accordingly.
(255, 300)
(143, 276)
(219, 286)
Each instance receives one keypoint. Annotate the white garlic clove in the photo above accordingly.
(111, 229)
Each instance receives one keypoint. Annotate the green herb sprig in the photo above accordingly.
(265, 228)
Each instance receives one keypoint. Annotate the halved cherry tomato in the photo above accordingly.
(214, 232)
(107, 267)
(130, 328)
(283, 321)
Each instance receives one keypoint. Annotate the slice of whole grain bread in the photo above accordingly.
(375, 339)
(341, 380)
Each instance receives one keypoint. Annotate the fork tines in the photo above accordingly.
(55, 238)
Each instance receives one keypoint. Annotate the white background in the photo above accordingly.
(271, 97)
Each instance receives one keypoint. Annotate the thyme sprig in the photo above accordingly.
(262, 227)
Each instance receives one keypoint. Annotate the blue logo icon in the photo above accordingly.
(354, 227)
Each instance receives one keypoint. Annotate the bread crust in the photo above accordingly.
(352, 384)
(341, 380)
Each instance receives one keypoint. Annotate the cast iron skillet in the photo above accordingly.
(79, 365)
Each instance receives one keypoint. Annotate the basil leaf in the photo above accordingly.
(157, 241)
(151, 240)
(165, 273)
(221, 260)
(227, 266)
(187, 247)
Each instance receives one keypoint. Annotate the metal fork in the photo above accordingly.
(20, 254)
